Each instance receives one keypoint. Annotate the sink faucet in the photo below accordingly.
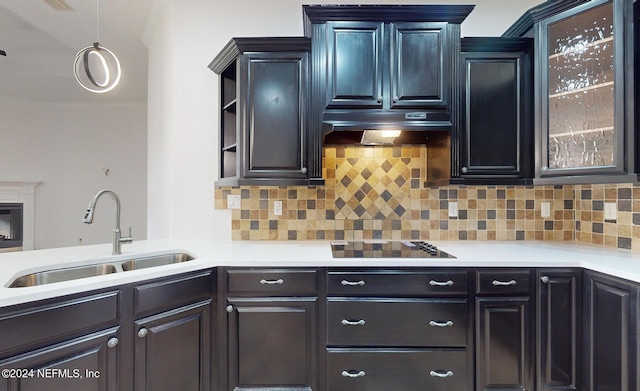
(117, 237)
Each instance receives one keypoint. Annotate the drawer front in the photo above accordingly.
(397, 283)
(272, 281)
(503, 282)
(384, 370)
(66, 318)
(410, 322)
(158, 296)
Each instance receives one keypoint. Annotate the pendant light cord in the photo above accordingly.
(97, 20)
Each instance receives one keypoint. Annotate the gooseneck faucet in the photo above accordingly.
(117, 236)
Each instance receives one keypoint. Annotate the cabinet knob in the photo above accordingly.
(441, 373)
(304, 170)
(380, 99)
(464, 170)
(352, 374)
(142, 332)
(545, 168)
(113, 342)
(229, 308)
(545, 279)
(395, 99)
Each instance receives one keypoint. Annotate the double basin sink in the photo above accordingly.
(100, 269)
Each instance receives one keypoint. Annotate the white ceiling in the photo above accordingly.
(41, 44)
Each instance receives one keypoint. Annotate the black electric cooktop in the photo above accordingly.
(385, 249)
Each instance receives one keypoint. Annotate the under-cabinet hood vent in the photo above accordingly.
(383, 128)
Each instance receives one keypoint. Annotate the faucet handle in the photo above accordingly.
(127, 239)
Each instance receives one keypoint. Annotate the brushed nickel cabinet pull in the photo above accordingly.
(504, 283)
(441, 373)
(279, 281)
(448, 323)
(360, 322)
(352, 283)
(440, 283)
(351, 374)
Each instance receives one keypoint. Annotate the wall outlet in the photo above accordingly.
(277, 208)
(233, 201)
(545, 209)
(453, 209)
(610, 211)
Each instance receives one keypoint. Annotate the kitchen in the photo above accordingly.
(185, 218)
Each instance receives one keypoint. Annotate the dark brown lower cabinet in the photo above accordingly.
(559, 328)
(396, 370)
(87, 363)
(503, 344)
(611, 334)
(272, 343)
(173, 350)
(152, 335)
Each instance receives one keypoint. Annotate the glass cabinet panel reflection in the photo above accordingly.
(581, 90)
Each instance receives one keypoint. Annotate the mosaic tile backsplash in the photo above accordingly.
(377, 192)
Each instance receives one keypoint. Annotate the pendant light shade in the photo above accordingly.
(96, 68)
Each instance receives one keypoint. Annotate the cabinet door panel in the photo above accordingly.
(611, 335)
(503, 344)
(354, 77)
(560, 331)
(272, 343)
(418, 63)
(85, 363)
(491, 135)
(275, 114)
(172, 349)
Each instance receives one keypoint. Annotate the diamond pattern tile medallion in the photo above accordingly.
(372, 187)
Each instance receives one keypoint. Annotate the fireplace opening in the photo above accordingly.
(11, 216)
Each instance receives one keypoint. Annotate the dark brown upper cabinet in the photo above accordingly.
(263, 112)
(584, 91)
(493, 135)
(396, 65)
(383, 67)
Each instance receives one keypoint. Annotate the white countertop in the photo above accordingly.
(620, 263)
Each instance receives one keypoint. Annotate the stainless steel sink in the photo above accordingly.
(156, 260)
(99, 269)
(59, 275)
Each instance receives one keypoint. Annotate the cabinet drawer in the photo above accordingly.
(272, 281)
(409, 322)
(157, 296)
(373, 370)
(503, 282)
(397, 283)
(57, 320)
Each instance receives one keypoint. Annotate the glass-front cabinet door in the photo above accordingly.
(585, 73)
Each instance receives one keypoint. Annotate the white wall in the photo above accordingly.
(66, 147)
(183, 36)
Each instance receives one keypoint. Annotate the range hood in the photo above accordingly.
(379, 127)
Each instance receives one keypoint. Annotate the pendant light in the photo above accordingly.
(96, 68)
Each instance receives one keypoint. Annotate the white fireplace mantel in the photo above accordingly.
(23, 192)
